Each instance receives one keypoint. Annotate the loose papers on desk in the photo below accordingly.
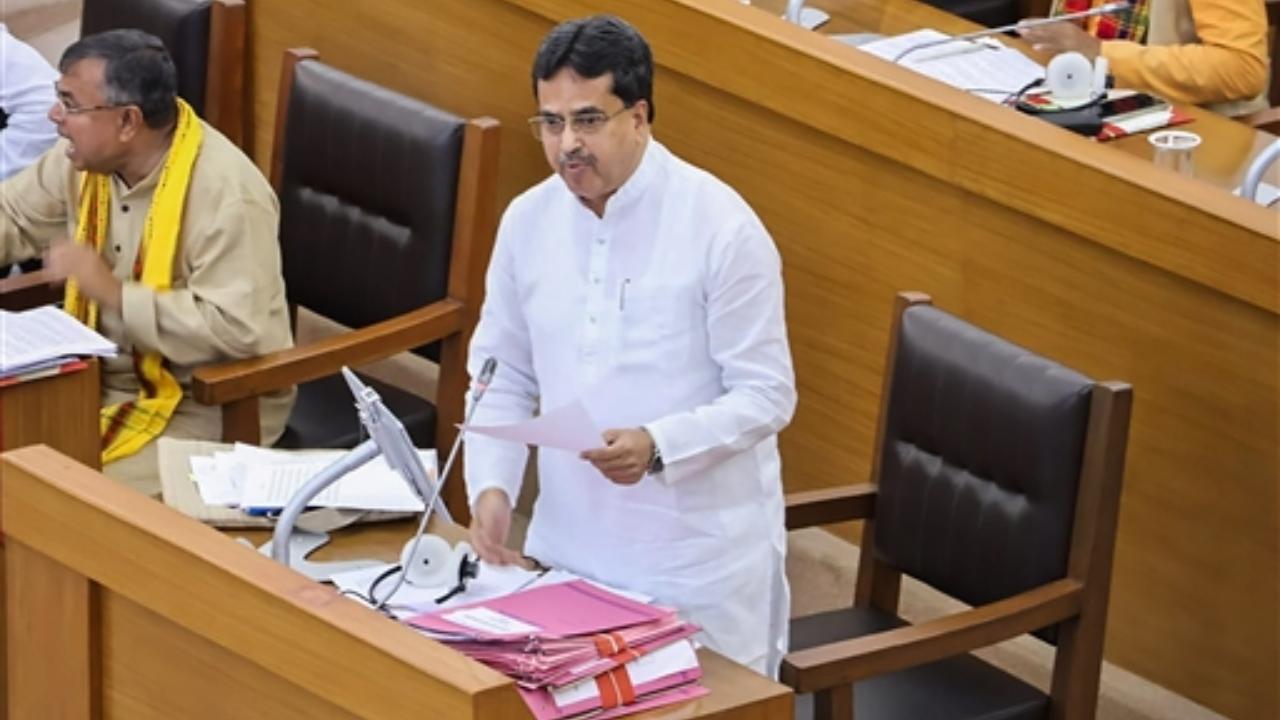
(576, 648)
(254, 478)
(45, 337)
(984, 67)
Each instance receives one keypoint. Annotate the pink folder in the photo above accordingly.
(666, 690)
(562, 610)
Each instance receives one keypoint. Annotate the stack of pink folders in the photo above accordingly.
(576, 648)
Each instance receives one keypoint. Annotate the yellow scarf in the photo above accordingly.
(128, 426)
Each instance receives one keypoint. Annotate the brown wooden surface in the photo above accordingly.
(188, 624)
(52, 650)
(28, 290)
(828, 506)
(846, 661)
(60, 411)
(872, 180)
(224, 95)
(1093, 535)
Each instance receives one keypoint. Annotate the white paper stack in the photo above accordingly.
(258, 480)
(984, 67)
(45, 337)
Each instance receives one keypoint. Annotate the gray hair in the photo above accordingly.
(137, 71)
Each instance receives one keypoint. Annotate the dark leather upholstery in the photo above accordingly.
(992, 13)
(367, 195)
(980, 460)
(960, 687)
(183, 26)
(326, 413)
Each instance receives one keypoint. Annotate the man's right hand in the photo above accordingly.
(490, 524)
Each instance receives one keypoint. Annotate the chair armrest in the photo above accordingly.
(846, 661)
(222, 384)
(29, 290)
(830, 505)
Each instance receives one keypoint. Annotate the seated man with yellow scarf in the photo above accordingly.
(166, 235)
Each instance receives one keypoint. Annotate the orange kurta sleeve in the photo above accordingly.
(1229, 63)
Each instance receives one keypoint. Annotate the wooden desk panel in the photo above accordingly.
(128, 609)
(874, 180)
(59, 411)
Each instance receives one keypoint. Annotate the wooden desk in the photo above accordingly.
(736, 692)
(1221, 160)
(872, 180)
(129, 609)
(60, 411)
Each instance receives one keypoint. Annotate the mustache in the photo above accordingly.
(576, 155)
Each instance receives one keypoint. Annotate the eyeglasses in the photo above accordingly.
(584, 123)
(76, 110)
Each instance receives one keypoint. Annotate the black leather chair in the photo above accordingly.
(206, 39)
(992, 13)
(996, 480)
(387, 222)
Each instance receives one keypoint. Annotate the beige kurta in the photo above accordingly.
(227, 301)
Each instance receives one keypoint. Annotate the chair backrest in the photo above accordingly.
(368, 186)
(991, 13)
(206, 39)
(981, 457)
(1273, 43)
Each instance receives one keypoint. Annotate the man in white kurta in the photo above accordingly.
(26, 94)
(647, 284)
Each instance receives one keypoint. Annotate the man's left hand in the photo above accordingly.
(1061, 37)
(80, 262)
(625, 457)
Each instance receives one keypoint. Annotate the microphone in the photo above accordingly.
(478, 389)
(409, 565)
(1108, 9)
(389, 435)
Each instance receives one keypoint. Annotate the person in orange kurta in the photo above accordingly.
(1202, 52)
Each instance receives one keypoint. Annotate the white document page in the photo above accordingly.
(570, 427)
(373, 486)
(669, 660)
(35, 337)
(983, 67)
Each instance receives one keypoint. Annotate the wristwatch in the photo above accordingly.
(655, 457)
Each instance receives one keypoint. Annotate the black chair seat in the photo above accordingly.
(324, 415)
(992, 13)
(959, 688)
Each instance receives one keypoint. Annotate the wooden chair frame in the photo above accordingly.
(224, 83)
(1077, 603)
(236, 386)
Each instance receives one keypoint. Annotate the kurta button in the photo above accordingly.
(599, 241)
(124, 208)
